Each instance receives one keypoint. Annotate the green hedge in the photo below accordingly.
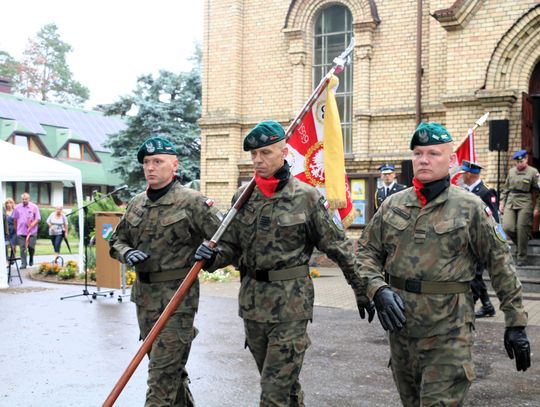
(43, 231)
(105, 205)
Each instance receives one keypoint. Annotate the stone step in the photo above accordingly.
(530, 272)
(533, 260)
(533, 247)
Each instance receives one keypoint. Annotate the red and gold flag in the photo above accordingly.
(316, 153)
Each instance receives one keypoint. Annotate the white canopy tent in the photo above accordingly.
(17, 165)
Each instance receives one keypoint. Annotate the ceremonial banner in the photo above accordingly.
(316, 153)
(465, 151)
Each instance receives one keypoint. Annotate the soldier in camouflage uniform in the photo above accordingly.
(271, 240)
(428, 239)
(158, 235)
(516, 203)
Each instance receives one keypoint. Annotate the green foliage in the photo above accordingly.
(168, 105)
(66, 274)
(95, 205)
(43, 72)
(91, 260)
(43, 229)
(221, 275)
(8, 65)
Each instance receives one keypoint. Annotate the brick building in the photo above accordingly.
(261, 60)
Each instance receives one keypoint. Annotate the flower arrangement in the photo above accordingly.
(130, 277)
(49, 269)
(314, 273)
(221, 275)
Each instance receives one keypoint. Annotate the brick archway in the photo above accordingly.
(516, 54)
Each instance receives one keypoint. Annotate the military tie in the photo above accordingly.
(387, 192)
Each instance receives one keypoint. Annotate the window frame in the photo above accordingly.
(344, 94)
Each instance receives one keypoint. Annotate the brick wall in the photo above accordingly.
(256, 67)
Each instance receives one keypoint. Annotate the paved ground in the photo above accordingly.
(72, 352)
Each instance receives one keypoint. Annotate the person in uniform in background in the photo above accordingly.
(429, 239)
(26, 218)
(473, 182)
(390, 186)
(516, 204)
(158, 236)
(271, 239)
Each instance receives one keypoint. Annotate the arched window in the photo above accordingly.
(333, 31)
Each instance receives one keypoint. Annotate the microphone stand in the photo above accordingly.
(86, 241)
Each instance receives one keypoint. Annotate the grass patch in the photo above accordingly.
(44, 247)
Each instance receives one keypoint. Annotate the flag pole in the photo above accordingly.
(479, 122)
(338, 66)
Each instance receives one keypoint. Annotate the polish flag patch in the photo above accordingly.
(488, 211)
(209, 202)
(326, 204)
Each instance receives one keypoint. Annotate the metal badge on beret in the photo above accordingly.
(155, 145)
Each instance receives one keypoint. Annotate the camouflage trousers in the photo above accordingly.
(168, 381)
(517, 224)
(434, 371)
(278, 350)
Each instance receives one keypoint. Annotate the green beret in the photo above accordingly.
(264, 134)
(155, 145)
(427, 134)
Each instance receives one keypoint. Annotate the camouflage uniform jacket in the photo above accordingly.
(169, 230)
(442, 241)
(277, 233)
(518, 187)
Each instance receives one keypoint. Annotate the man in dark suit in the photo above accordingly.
(473, 182)
(390, 186)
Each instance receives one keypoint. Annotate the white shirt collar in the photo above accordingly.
(471, 187)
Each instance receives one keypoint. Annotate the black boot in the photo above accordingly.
(487, 310)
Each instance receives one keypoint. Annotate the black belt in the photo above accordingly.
(413, 285)
(162, 276)
(277, 275)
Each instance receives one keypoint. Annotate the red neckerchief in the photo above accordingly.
(417, 187)
(267, 185)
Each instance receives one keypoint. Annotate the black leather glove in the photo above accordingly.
(135, 256)
(366, 306)
(389, 309)
(517, 344)
(206, 253)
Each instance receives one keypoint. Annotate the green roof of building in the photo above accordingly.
(55, 125)
(95, 173)
(89, 125)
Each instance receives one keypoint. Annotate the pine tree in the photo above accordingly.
(44, 73)
(168, 105)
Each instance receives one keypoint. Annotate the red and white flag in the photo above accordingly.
(465, 151)
(320, 131)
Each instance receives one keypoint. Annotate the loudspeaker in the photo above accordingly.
(406, 172)
(498, 135)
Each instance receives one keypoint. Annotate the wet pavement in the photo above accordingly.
(71, 352)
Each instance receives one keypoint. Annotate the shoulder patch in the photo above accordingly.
(488, 211)
(220, 216)
(499, 232)
(209, 202)
(337, 221)
(493, 199)
(326, 205)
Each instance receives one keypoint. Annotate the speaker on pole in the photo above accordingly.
(498, 135)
